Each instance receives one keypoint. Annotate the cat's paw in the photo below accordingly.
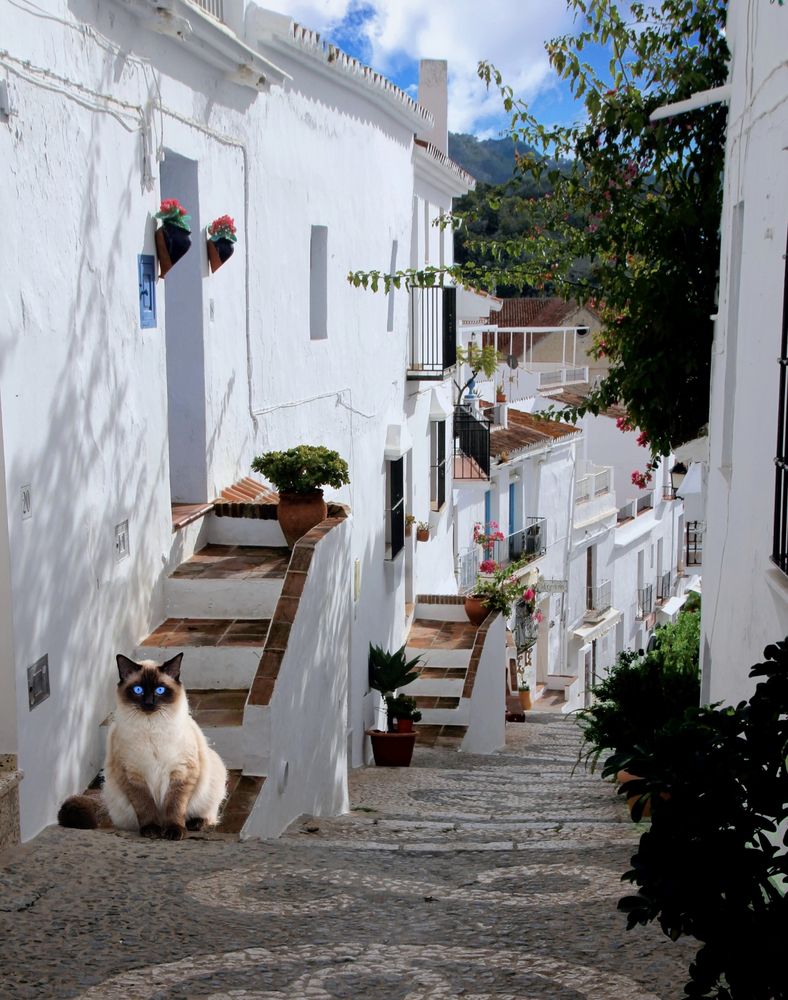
(174, 832)
(150, 830)
(195, 824)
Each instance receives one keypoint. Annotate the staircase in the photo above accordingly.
(461, 688)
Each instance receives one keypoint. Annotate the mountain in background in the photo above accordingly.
(488, 160)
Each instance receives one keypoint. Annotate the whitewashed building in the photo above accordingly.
(745, 560)
(129, 405)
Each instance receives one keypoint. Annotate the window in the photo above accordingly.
(437, 464)
(146, 276)
(780, 542)
(318, 283)
(395, 507)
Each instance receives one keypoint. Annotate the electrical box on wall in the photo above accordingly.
(146, 273)
(38, 682)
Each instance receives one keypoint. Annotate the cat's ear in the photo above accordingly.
(126, 667)
(172, 668)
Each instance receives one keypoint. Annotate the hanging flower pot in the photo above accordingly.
(221, 241)
(172, 237)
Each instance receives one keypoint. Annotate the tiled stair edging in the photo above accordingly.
(296, 706)
(10, 778)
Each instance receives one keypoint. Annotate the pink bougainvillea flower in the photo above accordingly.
(529, 594)
(488, 566)
(642, 439)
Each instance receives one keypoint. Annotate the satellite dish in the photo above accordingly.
(511, 361)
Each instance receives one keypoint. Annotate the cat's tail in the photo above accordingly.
(82, 812)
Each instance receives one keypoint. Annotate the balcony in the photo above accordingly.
(432, 345)
(664, 587)
(528, 543)
(213, 7)
(555, 378)
(594, 482)
(644, 502)
(598, 600)
(471, 445)
(645, 603)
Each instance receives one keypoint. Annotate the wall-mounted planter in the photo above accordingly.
(172, 243)
(221, 241)
(173, 237)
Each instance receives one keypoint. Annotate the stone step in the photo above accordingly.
(227, 581)
(242, 793)
(220, 715)
(438, 682)
(219, 652)
(440, 735)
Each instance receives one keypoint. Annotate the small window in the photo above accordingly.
(146, 276)
(395, 508)
(437, 464)
(318, 283)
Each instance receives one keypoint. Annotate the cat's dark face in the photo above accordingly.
(148, 686)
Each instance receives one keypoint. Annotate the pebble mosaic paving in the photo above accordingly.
(462, 876)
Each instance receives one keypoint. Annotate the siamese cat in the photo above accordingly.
(161, 777)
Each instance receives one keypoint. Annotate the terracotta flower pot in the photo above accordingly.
(475, 610)
(219, 251)
(525, 700)
(422, 534)
(172, 243)
(621, 777)
(392, 749)
(298, 512)
(404, 725)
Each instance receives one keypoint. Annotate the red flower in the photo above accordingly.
(223, 222)
(170, 206)
(642, 439)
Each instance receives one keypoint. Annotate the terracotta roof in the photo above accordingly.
(527, 431)
(577, 394)
(538, 312)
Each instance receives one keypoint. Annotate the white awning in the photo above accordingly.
(693, 481)
(437, 410)
(398, 442)
(668, 612)
(587, 632)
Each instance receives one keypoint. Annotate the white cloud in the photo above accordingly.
(508, 33)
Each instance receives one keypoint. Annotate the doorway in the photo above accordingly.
(185, 346)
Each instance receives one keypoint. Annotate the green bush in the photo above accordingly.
(303, 469)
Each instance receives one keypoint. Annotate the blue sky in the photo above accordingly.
(392, 36)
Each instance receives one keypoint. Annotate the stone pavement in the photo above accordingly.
(473, 877)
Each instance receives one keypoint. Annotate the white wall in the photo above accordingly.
(745, 598)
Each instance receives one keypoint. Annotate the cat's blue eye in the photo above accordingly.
(137, 689)
(160, 690)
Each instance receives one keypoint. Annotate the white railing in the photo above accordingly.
(213, 7)
(467, 569)
(645, 501)
(562, 376)
(594, 482)
(599, 598)
(645, 601)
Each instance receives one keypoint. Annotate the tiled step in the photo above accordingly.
(440, 643)
(219, 652)
(242, 792)
(426, 703)
(440, 736)
(227, 581)
(220, 715)
(228, 530)
(438, 682)
(443, 710)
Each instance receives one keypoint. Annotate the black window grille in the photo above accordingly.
(695, 530)
(395, 508)
(433, 332)
(780, 541)
(471, 445)
(438, 464)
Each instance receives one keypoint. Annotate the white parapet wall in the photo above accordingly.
(486, 724)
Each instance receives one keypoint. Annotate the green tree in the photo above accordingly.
(633, 217)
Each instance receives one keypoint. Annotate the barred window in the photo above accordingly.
(395, 507)
(780, 543)
(437, 464)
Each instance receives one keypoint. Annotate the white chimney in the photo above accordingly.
(434, 96)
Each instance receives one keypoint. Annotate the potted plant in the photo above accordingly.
(298, 475)
(172, 236)
(500, 393)
(422, 531)
(494, 593)
(410, 520)
(221, 240)
(524, 694)
(387, 672)
(401, 709)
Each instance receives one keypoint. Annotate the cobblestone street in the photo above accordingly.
(462, 876)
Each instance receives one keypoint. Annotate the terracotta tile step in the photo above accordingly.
(242, 792)
(209, 632)
(235, 562)
(185, 513)
(220, 707)
(443, 673)
(430, 701)
(440, 736)
(432, 634)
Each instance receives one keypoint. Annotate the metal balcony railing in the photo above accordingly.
(471, 445)
(526, 628)
(645, 601)
(213, 7)
(599, 598)
(432, 345)
(694, 547)
(467, 569)
(664, 587)
(528, 542)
